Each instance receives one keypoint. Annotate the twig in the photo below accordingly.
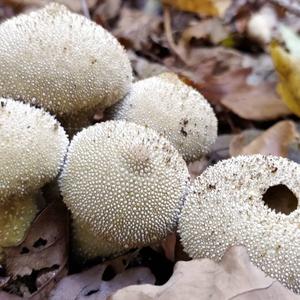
(85, 9)
(169, 36)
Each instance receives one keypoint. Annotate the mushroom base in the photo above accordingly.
(88, 246)
(16, 217)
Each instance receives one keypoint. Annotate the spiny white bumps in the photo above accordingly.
(125, 182)
(61, 61)
(226, 208)
(32, 148)
(177, 111)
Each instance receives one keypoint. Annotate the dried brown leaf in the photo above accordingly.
(220, 149)
(259, 103)
(206, 7)
(7, 296)
(233, 278)
(136, 29)
(143, 68)
(216, 88)
(107, 10)
(274, 141)
(168, 245)
(90, 282)
(197, 167)
(74, 5)
(201, 66)
(44, 250)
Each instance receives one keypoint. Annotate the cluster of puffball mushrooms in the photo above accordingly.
(125, 180)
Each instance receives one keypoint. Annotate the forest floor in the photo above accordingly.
(224, 50)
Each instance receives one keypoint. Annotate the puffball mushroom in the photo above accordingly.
(227, 207)
(124, 185)
(32, 149)
(172, 108)
(62, 62)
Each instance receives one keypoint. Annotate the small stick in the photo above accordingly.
(85, 9)
(169, 36)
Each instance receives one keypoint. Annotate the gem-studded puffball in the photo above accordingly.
(126, 182)
(62, 62)
(32, 148)
(226, 208)
(172, 108)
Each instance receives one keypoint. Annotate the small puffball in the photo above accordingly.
(174, 109)
(32, 148)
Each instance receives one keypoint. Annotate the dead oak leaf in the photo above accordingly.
(90, 283)
(205, 7)
(274, 141)
(44, 252)
(7, 296)
(202, 68)
(216, 88)
(233, 278)
(251, 102)
(106, 10)
(136, 29)
(74, 5)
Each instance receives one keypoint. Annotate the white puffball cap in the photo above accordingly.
(125, 183)
(174, 109)
(32, 148)
(226, 208)
(61, 61)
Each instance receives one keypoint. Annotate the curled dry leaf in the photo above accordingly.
(205, 7)
(90, 283)
(274, 141)
(44, 252)
(233, 278)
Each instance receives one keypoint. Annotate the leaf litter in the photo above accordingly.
(249, 75)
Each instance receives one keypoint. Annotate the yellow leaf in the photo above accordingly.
(206, 7)
(288, 68)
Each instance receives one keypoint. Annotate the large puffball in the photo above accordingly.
(124, 185)
(240, 201)
(62, 62)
